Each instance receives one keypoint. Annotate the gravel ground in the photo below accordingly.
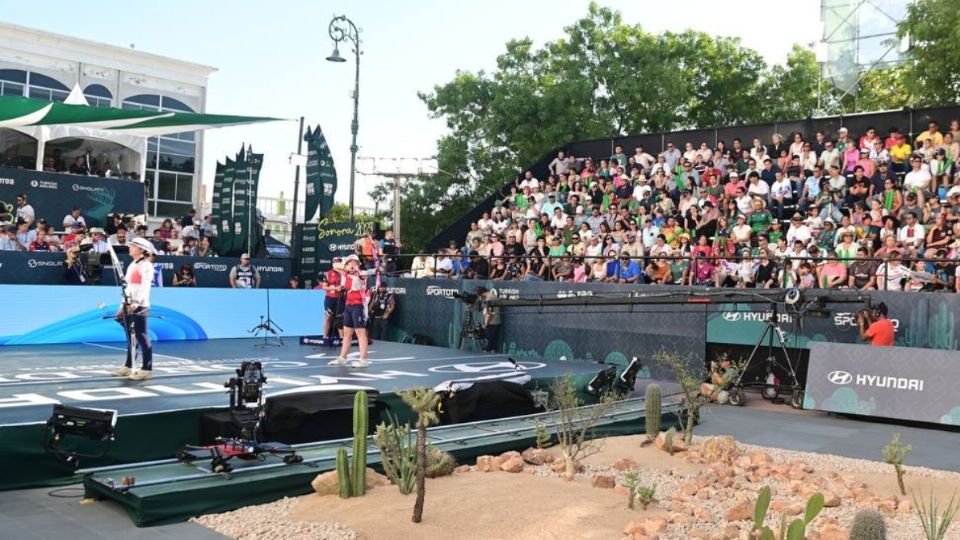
(271, 522)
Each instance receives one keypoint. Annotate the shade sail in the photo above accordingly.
(16, 112)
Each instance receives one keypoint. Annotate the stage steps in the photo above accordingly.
(167, 491)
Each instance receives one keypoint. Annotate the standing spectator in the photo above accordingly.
(79, 166)
(24, 210)
(208, 228)
(382, 305)
(245, 275)
(73, 217)
(560, 164)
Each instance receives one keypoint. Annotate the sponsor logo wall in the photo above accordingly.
(54, 195)
(39, 268)
(75, 314)
(887, 382)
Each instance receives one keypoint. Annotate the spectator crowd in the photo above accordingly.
(837, 210)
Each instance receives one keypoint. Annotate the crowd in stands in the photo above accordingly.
(833, 210)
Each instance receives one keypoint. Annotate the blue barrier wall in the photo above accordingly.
(43, 314)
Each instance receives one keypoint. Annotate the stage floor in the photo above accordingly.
(191, 374)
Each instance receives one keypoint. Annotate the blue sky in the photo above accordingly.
(270, 57)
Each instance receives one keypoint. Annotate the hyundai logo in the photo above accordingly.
(731, 316)
(840, 377)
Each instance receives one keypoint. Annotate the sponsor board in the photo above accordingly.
(436, 290)
(841, 377)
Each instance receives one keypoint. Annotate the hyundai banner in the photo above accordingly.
(885, 382)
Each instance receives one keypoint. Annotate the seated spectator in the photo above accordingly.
(120, 237)
(99, 240)
(563, 269)
(628, 271)
(444, 266)
(8, 242)
(832, 272)
(186, 278)
(73, 217)
(79, 166)
(422, 265)
(891, 274)
(40, 243)
(25, 235)
(765, 275)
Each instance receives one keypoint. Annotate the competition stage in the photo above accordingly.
(156, 418)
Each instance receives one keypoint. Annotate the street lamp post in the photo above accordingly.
(343, 29)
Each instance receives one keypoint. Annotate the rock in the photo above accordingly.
(778, 505)
(678, 444)
(689, 488)
(603, 481)
(641, 536)
(731, 532)
(326, 484)
(794, 509)
(484, 463)
(462, 469)
(621, 489)
(741, 512)
(702, 514)
(905, 507)
(654, 525)
(509, 455)
(832, 532)
(624, 464)
(558, 466)
(887, 506)
(761, 458)
(375, 479)
(513, 465)
(537, 456)
(831, 500)
(634, 527)
(704, 494)
(722, 449)
(700, 533)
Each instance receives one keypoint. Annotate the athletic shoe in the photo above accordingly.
(338, 362)
(141, 375)
(122, 371)
(360, 363)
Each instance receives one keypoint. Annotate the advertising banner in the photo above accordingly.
(54, 195)
(75, 314)
(886, 382)
(320, 242)
(41, 268)
(321, 179)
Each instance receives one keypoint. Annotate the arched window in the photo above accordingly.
(12, 82)
(171, 160)
(98, 95)
(16, 82)
(17, 150)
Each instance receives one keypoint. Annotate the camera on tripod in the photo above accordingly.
(472, 300)
(247, 386)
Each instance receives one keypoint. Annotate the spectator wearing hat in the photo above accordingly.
(245, 275)
(135, 310)
(99, 240)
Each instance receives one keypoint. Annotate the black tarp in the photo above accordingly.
(487, 400)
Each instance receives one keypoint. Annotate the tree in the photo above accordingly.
(932, 66)
(424, 402)
(790, 91)
(574, 424)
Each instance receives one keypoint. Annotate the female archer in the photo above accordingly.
(135, 309)
(354, 284)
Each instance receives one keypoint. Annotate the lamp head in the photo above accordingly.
(335, 55)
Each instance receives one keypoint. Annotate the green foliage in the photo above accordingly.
(895, 454)
(439, 463)
(360, 430)
(934, 522)
(795, 86)
(645, 494)
(796, 530)
(631, 481)
(932, 66)
(543, 436)
(343, 473)
(397, 453)
(653, 403)
(668, 439)
(689, 377)
(424, 402)
(573, 425)
(868, 525)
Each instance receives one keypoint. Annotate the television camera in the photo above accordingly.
(471, 327)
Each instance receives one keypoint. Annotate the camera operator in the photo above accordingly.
(722, 372)
(491, 318)
(875, 327)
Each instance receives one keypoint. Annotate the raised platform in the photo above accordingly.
(157, 417)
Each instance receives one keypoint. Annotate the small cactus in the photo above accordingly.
(868, 525)
(653, 404)
(895, 454)
(343, 473)
(645, 494)
(439, 463)
(668, 440)
(360, 430)
(543, 436)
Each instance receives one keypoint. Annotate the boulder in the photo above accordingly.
(509, 455)
(722, 449)
(680, 519)
(678, 444)
(832, 532)
(326, 484)
(537, 456)
(484, 463)
(654, 526)
(603, 481)
(513, 465)
(634, 527)
(624, 464)
(702, 514)
(689, 488)
(831, 500)
(375, 479)
(741, 512)
(761, 458)
(462, 469)
(905, 507)
(558, 466)
(731, 532)
(887, 506)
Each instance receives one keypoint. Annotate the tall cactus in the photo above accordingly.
(343, 473)
(868, 525)
(360, 426)
(653, 403)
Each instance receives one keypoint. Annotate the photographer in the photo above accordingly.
(722, 372)
(491, 318)
(875, 327)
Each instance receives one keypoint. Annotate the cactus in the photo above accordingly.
(868, 525)
(397, 453)
(645, 495)
(543, 436)
(631, 481)
(653, 404)
(360, 426)
(895, 454)
(343, 473)
(439, 463)
(797, 529)
(668, 440)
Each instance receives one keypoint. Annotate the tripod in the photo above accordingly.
(268, 328)
(471, 329)
(770, 390)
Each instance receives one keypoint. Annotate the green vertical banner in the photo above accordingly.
(321, 175)
(224, 229)
(215, 205)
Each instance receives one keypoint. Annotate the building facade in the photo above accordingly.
(44, 65)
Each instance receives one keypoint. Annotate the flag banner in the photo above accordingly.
(321, 175)
(224, 240)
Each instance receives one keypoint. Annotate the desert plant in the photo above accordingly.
(935, 524)
(343, 473)
(868, 525)
(668, 439)
(653, 403)
(439, 463)
(358, 474)
(796, 530)
(543, 436)
(645, 495)
(574, 424)
(424, 402)
(895, 454)
(689, 378)
(631, 481)
(397, 453)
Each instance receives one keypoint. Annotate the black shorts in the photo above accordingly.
(330, 305)
(354, 317)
